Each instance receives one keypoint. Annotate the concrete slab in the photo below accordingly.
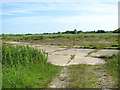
(86, 60)
(62, 56)
(104, 52)
(58, 59)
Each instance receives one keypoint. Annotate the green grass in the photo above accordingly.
(81, 76)
(62, 78)
(94, 41)
(93, 51)
(60, 44)
(68, 47)
(115, 45)
(112, 65)
(37, 76)
(105, 56)
(26, 67)
(72, 56)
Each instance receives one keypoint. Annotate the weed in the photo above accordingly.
(112, 65)
(63, 78)
(72, 56)
(26, 67)
(115, 45)
(58, 50)
(105, 56)
(59, 44)
(65, 54)
(93, 51)
(68, 47)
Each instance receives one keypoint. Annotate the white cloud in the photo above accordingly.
(68, 19)
(28, 20)
(106, 22)
(95, 13)
(28, 8)
(88, 19)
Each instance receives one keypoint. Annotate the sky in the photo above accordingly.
(48, 16)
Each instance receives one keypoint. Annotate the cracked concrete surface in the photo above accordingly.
(104, 52)
(61, 56)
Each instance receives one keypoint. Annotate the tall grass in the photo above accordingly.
(25, 67)
(112, 65)
(81, 76)
(24, 55)
(113, 68)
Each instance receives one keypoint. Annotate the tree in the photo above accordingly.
(59, 32)
(75, 31)
(3, 34)
(100, 31)
(90, 31)
(67, 32)
(117, 31)
(80, 31)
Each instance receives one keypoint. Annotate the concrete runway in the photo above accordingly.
(62, 56)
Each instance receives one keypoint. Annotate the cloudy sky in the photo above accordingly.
(40, 16)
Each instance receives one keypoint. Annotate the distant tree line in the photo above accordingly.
(71, 32)
(117, 31)
(80, 31)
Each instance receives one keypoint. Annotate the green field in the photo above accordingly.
(88, 40)
(26, 67)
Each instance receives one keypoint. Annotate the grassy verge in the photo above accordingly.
(35, 77)
(26, 67)
(112, 65)
(81, 77)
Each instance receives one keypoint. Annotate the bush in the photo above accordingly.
(100, 31)
(117, 31)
